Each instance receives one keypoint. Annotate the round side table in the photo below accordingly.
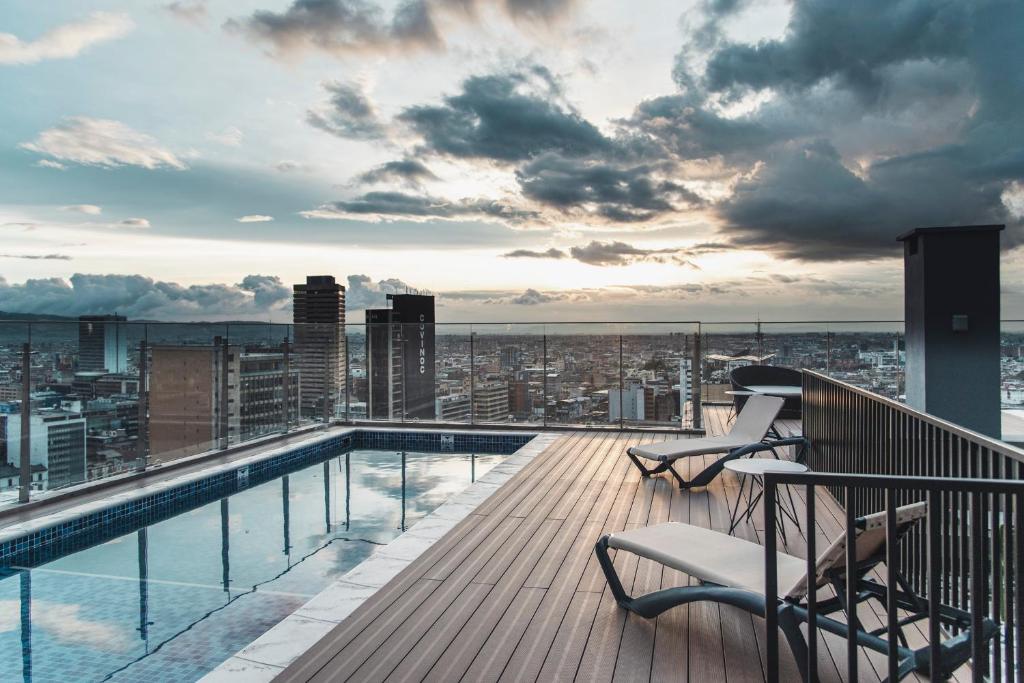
(753, 471)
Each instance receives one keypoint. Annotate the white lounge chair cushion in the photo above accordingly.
(710, 556)
(684, 448)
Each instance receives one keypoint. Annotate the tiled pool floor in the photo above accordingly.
(173, 600)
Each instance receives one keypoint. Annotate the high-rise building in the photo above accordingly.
(102, 343)
(319, 316)
(400, 359)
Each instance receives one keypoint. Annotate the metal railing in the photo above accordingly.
(968, 603)
(874, 454)
(613, 375)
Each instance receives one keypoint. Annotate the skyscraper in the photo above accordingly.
(319, 316)
(400, 358)
(102, 343)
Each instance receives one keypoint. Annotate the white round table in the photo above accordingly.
(753, 471)
(780, 390)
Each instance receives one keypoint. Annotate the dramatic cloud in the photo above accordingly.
(267, 290)
(389, 206)
(255, 218)
(851, 44)
(135, 223)
(621, 254)
(65, 41)
(191, 12)
(343, 27)
(362, 292)
(102, 142)
(38, 257)
(409, 172)
(46, 163)
(339, 28)
(528, 253)
(141, 297)
(505, 117)
(89, 209)
(287, 166)
(348, 113)
(861, 122)
(616, 193)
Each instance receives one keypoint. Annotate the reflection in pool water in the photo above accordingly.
(172, 600)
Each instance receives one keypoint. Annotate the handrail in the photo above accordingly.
(988, 442)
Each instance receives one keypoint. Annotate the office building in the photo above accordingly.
(319, 316)
(400, 359)
(490, 401)
(453, 408)
(627, 404)
(204, 397)
(102, 343)
(57, 443)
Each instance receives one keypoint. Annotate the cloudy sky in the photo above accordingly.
(521, 159)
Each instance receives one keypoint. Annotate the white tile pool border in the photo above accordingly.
(267, 656)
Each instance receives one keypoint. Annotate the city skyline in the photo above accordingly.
(191, 160)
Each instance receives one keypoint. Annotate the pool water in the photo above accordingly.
(171, 601)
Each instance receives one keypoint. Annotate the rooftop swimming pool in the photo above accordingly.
(171, 599)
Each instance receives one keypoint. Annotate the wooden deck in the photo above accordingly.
(514, 591)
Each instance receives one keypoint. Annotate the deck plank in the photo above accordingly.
(514, 592)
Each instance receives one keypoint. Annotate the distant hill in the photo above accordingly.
(22, 317)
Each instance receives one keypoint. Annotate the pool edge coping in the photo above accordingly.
(270, 654)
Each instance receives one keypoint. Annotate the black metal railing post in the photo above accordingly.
(286, 385)
(142, 441)
(472, 379)
(696, 377)
(622, 374)
(544, 374)
(25, 457)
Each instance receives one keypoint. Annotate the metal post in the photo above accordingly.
(144, 622)
(348, 378)
(25, 470)
(545, 375)
(828, 353)
(401, 355)
(286, 385)
(695, 383)
(622, 407)
(142, 441)
(328, 385)
(221, 349)
(26, 625)
(225, 547)
(472, 380)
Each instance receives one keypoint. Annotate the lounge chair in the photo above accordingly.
(732, 572)
(752, 432)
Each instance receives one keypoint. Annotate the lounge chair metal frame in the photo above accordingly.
(954, 651)
(706, 476)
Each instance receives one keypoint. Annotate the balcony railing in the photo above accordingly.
(875, 454)
(146, 393)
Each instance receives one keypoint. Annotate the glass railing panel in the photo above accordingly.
(319, 352)
(724, 347)
(261, 374)
(14, 337)
(453, 374)
(657, 374)
(508, 373)
(1011, 385)
(189, 390)
(583, 374)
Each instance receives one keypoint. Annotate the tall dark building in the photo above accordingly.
(102, 343)
(319, 316)
(400, 358)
